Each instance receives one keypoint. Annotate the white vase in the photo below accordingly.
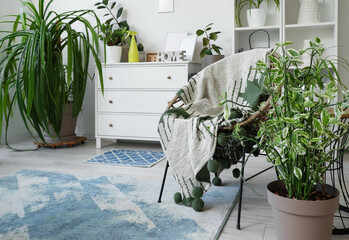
(308, 12)
(256, 17)
(113, 54)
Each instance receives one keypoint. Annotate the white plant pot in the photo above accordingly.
(256, 17)
(308, 12)
(113, 54)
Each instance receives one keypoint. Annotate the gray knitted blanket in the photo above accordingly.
(188, 134)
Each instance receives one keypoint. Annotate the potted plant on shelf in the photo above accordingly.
(209, 48)
(297, 138)
(34, 76)
(256, 16)
(113, 32)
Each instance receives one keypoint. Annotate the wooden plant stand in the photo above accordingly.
(62, 144)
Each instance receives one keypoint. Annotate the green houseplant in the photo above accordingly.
(298, 136)
(113, 31)
(34, 75)
(209, 48)
(255, 4)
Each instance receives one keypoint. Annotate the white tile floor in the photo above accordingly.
(257, 222)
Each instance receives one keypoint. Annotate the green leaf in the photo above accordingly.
(293, 52)
(297, 172)
(113, 5)
(299, 149)
(325, 117)
(119, 13)
(205, 42)
(252, 93)
(101, 7)
(216, 49)
(316, 140)
(285, 132)
(213, 36)
(226, 112)
(199, 32)
(203, 52)
(317, 125)
(309, 104)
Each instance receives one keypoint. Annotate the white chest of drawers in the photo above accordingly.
(135, 96)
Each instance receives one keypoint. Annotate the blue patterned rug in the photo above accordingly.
(51, 205)
(128, 158)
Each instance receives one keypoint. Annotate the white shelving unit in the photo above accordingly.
(282, 26)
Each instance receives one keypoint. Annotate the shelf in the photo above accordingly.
(241, 29)
(310, 25)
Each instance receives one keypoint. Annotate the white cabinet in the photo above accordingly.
(135, 96)
(282, 26)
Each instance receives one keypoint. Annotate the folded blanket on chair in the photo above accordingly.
(188, 134)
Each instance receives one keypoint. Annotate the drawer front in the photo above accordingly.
(133, 126)
(133, 101)
(145, 77)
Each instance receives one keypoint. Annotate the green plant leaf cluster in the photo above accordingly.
(209, 47)
(113, 31)
(300, 132)
(33, 74)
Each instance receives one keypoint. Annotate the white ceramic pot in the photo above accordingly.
(256, 17)
(308, 12)
(113, 54)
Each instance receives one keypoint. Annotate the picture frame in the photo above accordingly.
(188, 44)
(165, 6)
(173, 41)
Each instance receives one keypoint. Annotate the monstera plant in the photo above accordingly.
(44, 65)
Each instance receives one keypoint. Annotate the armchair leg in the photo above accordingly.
(241, 188)
(163, 181)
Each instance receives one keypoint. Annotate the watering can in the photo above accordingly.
(133, 54)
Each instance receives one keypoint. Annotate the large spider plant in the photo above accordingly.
(33, 73)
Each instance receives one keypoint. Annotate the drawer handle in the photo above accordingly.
(110, 101)
(110, 78)
(110, 125)
(169, 77)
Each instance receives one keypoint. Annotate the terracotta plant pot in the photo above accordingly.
(209, 59)
(302, 220)
(68, 126)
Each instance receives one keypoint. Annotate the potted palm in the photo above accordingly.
(209, 48)
(34, 75)
(256, 16)
(113, 32)
(296, 137)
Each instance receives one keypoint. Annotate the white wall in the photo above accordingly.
(16, 130)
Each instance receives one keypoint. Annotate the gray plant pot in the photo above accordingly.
(68, 126)
(209, 59)
(141, 56)
(298, 219)
(124, 55)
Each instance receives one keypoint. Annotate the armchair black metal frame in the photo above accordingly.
(257, 116)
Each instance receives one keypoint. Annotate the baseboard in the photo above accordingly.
(88, 135)
(16, 138)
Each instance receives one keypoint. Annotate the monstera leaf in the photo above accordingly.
(254, 93)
